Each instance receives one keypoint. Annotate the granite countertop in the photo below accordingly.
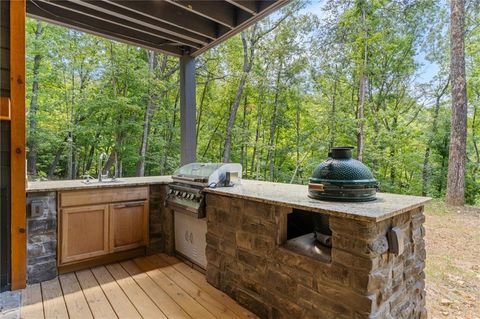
(51, 186)
(291, 195)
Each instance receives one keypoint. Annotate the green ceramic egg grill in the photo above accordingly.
(342, 178)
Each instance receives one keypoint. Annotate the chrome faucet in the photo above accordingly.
(101, 158)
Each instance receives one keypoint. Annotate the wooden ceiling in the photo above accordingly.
(175, 27)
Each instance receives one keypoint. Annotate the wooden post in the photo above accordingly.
(18, 173)
(187, 110)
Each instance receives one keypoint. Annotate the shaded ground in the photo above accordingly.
(453, 262)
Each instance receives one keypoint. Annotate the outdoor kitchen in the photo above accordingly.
(242, 206)
(334, 248)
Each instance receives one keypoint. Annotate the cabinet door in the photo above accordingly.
(128, 225)
(84, 232)
(190, 238)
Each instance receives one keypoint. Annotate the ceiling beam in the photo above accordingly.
(174, 15)
(94, 26)
(250, 6)
(267, 8)
(108, 18)
(219, 11)
(120, 12)
(175, 27)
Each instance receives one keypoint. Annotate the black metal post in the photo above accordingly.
(188, 110)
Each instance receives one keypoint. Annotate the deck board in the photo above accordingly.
(116, 296)
(215, 307)
(53, 303)
(200, 280)
(74, 299)
(32, 303)
(157, 286)
(194, 309)
(137, 296)
(96, 299)
(163, 301)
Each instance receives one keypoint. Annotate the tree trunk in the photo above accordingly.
(32, 113)
(171, 130)
(444, 162)
(297, 146)
(200, 106)
(333, 114)
(248, 55)
(210, 140)
(56, 160)
(426, 158)
(261, 101)
(393, 168)
(231, 119)
(70, 156)
(458, 135)
(257, 136)
(140, 167)
(361, 91)
(243, 159)
(474, 140)
(273, 124)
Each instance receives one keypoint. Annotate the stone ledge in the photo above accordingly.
(53, 186)
(295, 196)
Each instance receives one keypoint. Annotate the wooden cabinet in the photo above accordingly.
(84, 232)
(128, 225)
(94, 224)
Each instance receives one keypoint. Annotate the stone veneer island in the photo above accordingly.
(362, 278)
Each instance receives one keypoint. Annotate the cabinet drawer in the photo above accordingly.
(102, 196)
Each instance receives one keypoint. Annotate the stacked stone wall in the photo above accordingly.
(364, 280)
(42, 238)
(160, 234)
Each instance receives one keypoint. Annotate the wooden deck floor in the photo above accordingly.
(157, 286)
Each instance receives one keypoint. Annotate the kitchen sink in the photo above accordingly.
(104, 181)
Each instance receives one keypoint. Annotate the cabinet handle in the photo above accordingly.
(191, 238)
(129, 205)
(186, 236)
(134, 204)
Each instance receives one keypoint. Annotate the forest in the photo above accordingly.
(374, 74)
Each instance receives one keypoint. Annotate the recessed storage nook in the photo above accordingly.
(309, 234)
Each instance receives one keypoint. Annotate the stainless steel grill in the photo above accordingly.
(187, 200)
(186, 194)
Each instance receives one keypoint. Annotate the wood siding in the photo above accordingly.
(4, 147)
(4, 49)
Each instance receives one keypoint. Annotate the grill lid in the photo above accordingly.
(342, 178)
(206, 174)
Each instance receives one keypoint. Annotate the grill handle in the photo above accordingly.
(316, 187)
